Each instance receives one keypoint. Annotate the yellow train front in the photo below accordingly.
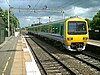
(76, 34)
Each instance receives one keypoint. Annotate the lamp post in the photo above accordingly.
(8, 18)
(63, 14)
(8, 22)
(39, 20)
(49, 18)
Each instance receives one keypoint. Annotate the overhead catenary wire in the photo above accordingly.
(67, 5)
(72, 3)
(7, 1)
(36, 3)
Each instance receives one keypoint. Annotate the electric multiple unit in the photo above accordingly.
(72, 33)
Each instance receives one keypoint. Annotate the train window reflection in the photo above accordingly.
(76, 28)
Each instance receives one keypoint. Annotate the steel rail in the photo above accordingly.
(71, 72)
(36, 57)
(84, 61)
(91, 56)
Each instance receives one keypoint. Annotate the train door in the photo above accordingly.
(61, 30)
(50, 29)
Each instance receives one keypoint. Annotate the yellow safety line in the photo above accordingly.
(5, 67)
(7, 62)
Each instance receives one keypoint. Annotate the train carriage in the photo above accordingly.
(72, 33)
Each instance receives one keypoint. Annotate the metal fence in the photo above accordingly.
(2, 30)
(94, 34)
(2, 35)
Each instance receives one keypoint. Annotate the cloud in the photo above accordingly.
(2, 1)
(81, 8)
(45, 19)
(82, 12)
(76, 11)
(95, 1)
(28, 17)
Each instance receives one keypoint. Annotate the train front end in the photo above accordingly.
(76, 34)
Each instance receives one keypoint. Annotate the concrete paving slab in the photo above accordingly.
(24, 63)
(27, 57)
(94, 42)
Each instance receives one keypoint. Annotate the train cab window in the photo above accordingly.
(77, 28)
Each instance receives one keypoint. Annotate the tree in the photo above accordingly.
(95, 23)
(14, 22)
(1, 12)
(88, 21)
(97, 15)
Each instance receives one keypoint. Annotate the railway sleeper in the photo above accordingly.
(90, 60)
(49, 62)
(58, 72)
(51, 65)
(54, 67)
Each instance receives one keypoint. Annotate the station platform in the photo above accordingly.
(16, 58)
(94, 42)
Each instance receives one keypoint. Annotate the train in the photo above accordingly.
(72, 32)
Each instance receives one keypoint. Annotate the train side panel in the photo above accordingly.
(61, 32)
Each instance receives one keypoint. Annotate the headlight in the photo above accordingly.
(85, 38)
(70, 38)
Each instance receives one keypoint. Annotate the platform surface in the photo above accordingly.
(16, 58)
(94, 42)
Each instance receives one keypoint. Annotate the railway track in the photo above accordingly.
(73, 62)
(49, 64)
(91, 55)
(89, 60)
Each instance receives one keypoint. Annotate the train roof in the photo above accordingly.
(47, 23)
(59, 21)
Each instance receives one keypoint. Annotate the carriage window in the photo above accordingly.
(53, 30)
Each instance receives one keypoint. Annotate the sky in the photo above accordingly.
(29, 11)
